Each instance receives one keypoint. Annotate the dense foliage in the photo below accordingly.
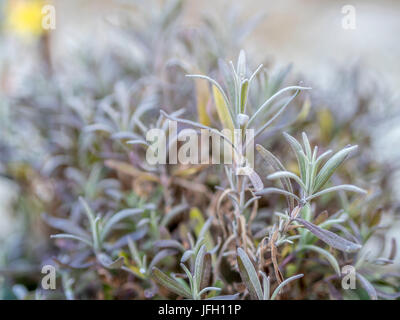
(74, 141)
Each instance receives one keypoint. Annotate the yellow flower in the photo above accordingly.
(24, 17)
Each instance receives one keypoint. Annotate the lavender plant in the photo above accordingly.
(137, 231)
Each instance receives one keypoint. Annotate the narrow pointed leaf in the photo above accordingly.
(161, 255)
(71, 236)
(123, 214)
(249, 275)
(222, 110)
(243, 95)
(276, 190)
(298, 151)
(330, 166)
(367, 286)
(286, 174)
(170, 283)
(330, 238)
(343, 187)
(284, 283)
(277, 166)
(198, 266)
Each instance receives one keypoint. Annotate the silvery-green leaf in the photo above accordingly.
(322, 157)
(330, 238)
(326, 254)
(266, 286)
(249, 275)
(241, 64)
(284, 283)
(367, 286)
(330, 166)
(207, 269)
(276, 115)
(298, 151)
(170, 283)
(276, 190)
(255, 180)
(123, 214)
(173, 213)
(192, 279)
(272, 98)
(71, 236)
(88, 211)
(343, 187)
(186, 255)
(307, 145)
(65, 225)
(96, 234)
(382, 261)
(161, 255)
(208, 289)
(385, 295)
(198, 265)
(250, 201)
(286, 174)
(277, 166)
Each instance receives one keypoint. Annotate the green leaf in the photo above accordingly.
(277, 166)
(170, 283)
(330, 166)
(249, 275)
(222, 109)
(243, 95)
(298, 151)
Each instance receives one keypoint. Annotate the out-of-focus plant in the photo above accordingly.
(80, 133)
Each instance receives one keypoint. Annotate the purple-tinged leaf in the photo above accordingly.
(330, 238)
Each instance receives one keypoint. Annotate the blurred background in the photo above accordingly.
(355, 75)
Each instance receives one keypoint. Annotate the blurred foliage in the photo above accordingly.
(72, 139)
